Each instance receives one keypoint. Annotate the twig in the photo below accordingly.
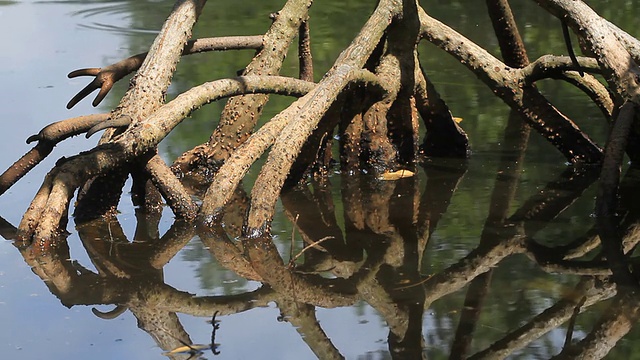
(572, 322)
(293, 234)
(292, 261)
(107, 76)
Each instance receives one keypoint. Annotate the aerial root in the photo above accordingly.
(106, 77)
(308, 111)
(30, 219)
(235, 168)
(171, 189)
(47, 139)
(121, 121)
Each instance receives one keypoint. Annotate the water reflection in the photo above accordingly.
(388, 245)
(368, 245)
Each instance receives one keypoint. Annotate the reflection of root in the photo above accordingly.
(110, 315)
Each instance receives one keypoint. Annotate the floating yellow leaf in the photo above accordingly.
(396, 175)
(187, 349)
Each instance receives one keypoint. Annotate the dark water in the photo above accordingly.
(427, 271)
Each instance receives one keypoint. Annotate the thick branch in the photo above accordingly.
(139, 140)
(305, 60)
(241, 114)
(504, 25)
(107, 76)
(619, 68)
(308, 111)
(236, 167)
(47, 139)
(171, 189)
(507, 83)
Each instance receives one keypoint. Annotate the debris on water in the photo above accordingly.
(395, 175)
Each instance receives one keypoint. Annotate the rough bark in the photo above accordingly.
(241, 113)
(507, 83)
(308, 113)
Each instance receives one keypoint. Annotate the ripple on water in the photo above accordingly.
(100, 8)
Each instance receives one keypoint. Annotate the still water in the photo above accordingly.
(428, 270)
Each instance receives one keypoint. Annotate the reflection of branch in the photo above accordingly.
(180, 233)
(559, 259)
(226, 252)
(617, 321)
(527, 220)
(553, 199)
(310, 246)
(479, 261)
(595, 291)
(111, 314)
(515, 142)
(163, 326)
(302, 317)
(572, 322)
(311, 289)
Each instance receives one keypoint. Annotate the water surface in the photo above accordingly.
(407, 243)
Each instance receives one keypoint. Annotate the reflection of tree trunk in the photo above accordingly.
(384, 221)
(470, 315)
(314, 216)
(317, 223)
(410, 343)
(513, 151)
(442, 181)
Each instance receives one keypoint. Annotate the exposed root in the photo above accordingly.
(106, 77)
(240, 115)
(122, 121)
(171, 189)
(234, 169)
(308, 111)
